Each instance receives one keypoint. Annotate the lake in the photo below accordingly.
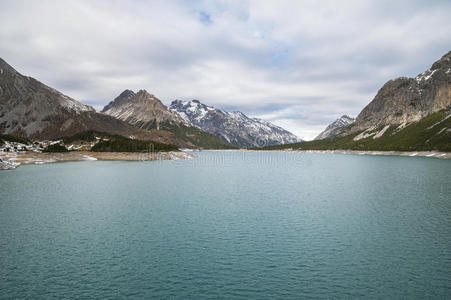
(230, 225)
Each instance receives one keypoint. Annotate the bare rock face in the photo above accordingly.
(336, 127)
(233, 127)
(31, 109)
(143, 110)
(123, 98)
(409, 99)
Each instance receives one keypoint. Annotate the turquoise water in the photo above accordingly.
(228, 225)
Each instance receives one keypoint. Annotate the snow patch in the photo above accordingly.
(87, 157)
(443, 129)
(401, 126)
(8, 164)
(381, 133)
(433, 125)
(425, 76)
(365, 134)
(73, 105)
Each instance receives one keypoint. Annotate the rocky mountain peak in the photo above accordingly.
(127, 93)
(445, 61)
(5, 68)
(152, 102)
(143, 110)
(142, 99)
(144, 93)
(233, 127)
(31, 109)
(335, 127)
(32, 96)
(346, 118)
(123, 97)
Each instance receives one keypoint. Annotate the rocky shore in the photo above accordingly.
(13, 160)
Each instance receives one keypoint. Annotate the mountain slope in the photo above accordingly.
(233, 127)
(145, 111)
(335, 127)
(432, 132)
(31, 109)
(407, 114)
(404, 100)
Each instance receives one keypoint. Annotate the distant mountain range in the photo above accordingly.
(407, 114)
(233, 127)
(196, 122)
(31, 109)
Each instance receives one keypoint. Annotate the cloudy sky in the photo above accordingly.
(298, 64)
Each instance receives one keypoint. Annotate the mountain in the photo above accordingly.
(29, 108)
(145, 111)
(233, 127)
(405, 100)
(430, 133)
(335, 127)
(407, 114)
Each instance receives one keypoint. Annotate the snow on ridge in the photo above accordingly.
(74, 105)
(425, 76)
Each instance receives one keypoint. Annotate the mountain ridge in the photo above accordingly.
(234, 127)
(31, 109)
(407, 114)
(145, 111)
(405, 99)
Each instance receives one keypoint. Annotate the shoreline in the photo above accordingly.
(10, 161)
(432, 154)
(14, 160)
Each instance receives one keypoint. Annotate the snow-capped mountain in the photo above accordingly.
(335, 127)
(233, 127)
